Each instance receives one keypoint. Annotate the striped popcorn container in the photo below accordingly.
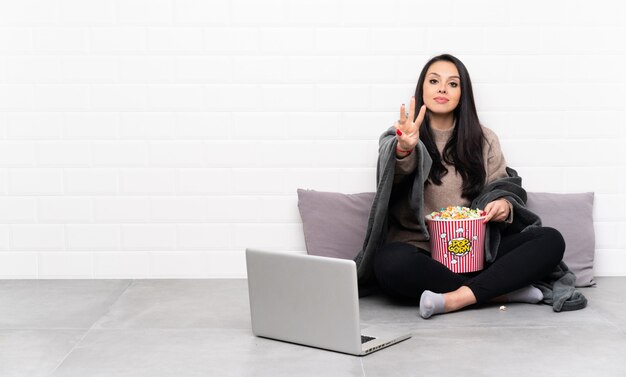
(458, 244)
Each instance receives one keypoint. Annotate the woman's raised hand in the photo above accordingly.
(407, 130)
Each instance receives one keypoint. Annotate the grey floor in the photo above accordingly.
(202, 328)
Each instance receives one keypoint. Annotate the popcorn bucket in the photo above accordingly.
(458, 244)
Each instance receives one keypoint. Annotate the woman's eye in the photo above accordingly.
(432, 81)
(453, 84)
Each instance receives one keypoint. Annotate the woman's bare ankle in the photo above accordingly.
(458, 299)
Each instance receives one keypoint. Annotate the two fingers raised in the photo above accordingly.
(407, 121)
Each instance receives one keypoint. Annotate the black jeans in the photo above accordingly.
(405, 271)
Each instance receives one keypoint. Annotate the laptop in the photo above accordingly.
(310, 300)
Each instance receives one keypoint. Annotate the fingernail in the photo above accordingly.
(398, 132)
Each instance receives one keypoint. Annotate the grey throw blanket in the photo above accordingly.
(558, 287)
(377, 223)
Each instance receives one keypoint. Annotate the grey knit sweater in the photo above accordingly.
(558, 287)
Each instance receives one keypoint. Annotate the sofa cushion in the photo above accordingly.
(572, 215)
(335, 224)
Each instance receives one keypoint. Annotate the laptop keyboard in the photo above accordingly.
(365, 338)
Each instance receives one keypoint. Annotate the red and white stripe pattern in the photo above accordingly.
(458, 244)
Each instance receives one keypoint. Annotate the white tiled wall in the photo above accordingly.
(159, 138)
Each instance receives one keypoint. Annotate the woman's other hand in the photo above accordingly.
(498, 210)
(407, 130)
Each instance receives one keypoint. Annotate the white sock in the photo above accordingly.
(527, 294)
(431, 303)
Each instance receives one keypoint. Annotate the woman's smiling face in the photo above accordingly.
(442, 87)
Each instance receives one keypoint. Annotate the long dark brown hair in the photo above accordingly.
(464, 150)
